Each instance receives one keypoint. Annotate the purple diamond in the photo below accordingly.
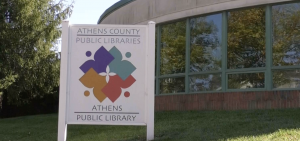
(101, 60)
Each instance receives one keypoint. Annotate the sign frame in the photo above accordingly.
(149, 81)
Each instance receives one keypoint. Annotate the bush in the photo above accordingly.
(39, 105)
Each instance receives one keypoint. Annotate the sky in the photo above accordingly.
(89, 11)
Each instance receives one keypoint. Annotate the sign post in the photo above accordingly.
(150, 80)
(107, 76)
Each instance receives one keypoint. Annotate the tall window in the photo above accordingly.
(173, 48)
(205, 53)
(172, 59)
(246, 47)
(286, 45)
(246, 38)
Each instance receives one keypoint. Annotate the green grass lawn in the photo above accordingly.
(189, 126)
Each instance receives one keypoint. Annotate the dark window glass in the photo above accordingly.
(172, 85)
(173, 48)
(205, 82)
(286, 78)
(246, 38)
(286, 34)
(246, 80)
(206, 37)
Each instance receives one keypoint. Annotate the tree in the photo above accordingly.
(29, 29)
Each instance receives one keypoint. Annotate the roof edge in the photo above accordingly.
(113, 8)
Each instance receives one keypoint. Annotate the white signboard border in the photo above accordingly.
(149, 81)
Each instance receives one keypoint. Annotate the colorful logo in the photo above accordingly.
(107, 74)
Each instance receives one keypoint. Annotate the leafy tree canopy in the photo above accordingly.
(29, 30)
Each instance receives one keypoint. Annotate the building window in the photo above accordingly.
(205, 53)
(205, 82)
(172, 59)
(206, 37)
(286, 78)
(246, 39)
(172, 85)
(286, 45)
(246, 80)
(241, 50)
(286, 34)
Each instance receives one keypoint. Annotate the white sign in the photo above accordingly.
(107, 76)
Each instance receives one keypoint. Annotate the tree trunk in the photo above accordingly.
(3, 104)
